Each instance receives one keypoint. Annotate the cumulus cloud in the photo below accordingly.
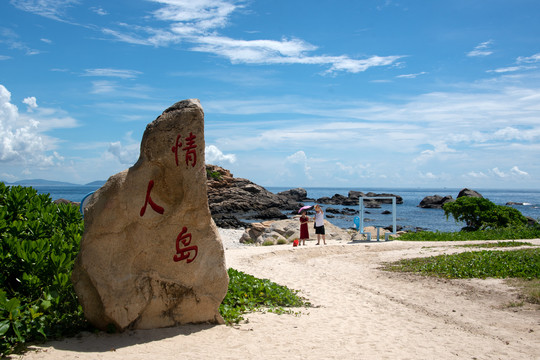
(23, 137)
(300, 160)
(215, 156)
(31, 102)
(20, 140)
(125, 154)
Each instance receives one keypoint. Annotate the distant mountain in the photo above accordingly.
(42, 182)
(97, 183)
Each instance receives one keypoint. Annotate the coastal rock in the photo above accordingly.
(298, 194)
(150, 255)
(435, 201)
(269, 214)
(230, 195)
(288, 230)
(470, 193)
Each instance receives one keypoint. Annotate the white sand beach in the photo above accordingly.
(359, 312)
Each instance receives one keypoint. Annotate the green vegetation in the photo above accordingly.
(522, 232)
(476, 264)
(39, 243)
(500, 244)
(213, 174)
(481, 214)
(248, 293)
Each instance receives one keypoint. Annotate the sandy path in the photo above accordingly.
(360, 312)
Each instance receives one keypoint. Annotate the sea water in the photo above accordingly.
(408, 215)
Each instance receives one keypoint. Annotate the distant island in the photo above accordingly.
(42, 182)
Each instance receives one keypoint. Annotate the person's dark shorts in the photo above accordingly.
(319, 230)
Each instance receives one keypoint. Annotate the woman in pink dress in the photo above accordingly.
(304, 233)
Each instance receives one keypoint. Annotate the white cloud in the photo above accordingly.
(529, 59)
(52, 9)
(31, 102)
(107, 72)
(481, 49)
(516, 171)
(411, 76)
(197, 22)
(20, 140)
(125, 154)
(215, 156)
(299, 160)
(99, 11)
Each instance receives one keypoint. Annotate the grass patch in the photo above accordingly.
(525, 232)
(500, 244)
(247, 294)
(482, 264)
(530, 289)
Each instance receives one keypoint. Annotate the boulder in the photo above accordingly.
(298, 194)
(230, 195)
(470, 193)
(288, 230)
(150, 255)
(435, 201)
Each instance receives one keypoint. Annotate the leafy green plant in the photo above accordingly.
(267, 243)
(247, 293)
(213, 174)
(39, 243)
(476, 264)
(480, 213)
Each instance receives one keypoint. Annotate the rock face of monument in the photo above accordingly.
(151, 256)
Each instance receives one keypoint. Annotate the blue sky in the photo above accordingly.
(335, 93)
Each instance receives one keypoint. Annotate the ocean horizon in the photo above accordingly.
(408, 215)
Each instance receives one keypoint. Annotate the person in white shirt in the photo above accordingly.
(319, 225)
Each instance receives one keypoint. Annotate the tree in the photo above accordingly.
(481, 214)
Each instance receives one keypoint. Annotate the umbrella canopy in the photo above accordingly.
(307, 207)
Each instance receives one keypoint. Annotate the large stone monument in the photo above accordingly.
(151, 255)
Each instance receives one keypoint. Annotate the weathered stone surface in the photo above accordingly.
(297, 194)
(230, 195)
(470, 193)
(151, 256)
(288, 230)
(435, 201)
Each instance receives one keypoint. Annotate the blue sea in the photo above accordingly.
(408, 215)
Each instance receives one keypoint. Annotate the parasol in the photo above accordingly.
(307, 207)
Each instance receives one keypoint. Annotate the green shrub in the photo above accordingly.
(267, 243)
(247, 293)
(480, 214)
(39, 243)
(281, 241)
(476, 264)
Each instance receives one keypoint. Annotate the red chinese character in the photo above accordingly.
(191, 155)
(176, 147)
(184, 253)
(149, 200)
